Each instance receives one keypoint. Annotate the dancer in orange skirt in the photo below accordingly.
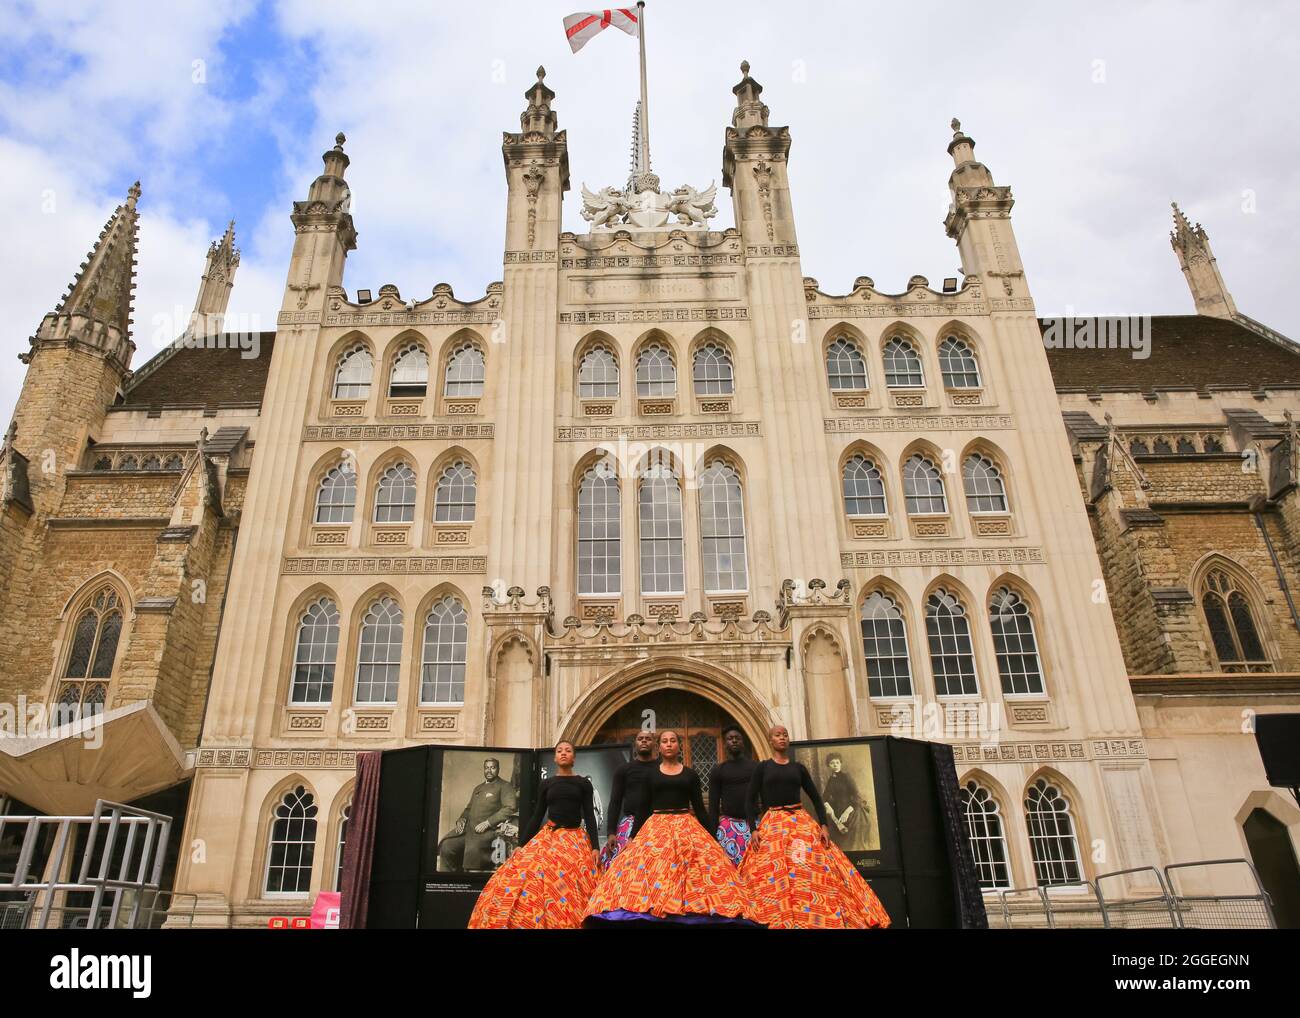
(545, 885)
(795, 877)
(671, 871)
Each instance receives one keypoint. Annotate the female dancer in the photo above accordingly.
(546, 883)
(671, 870)
(795, 876)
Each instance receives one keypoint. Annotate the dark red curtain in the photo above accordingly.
(359, 848)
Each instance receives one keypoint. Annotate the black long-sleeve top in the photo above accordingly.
(631, 793)
(569, 800)
(729, 790)
(775, 784)
(675, 793)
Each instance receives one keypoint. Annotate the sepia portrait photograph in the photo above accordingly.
(843, 777)
(478, 819)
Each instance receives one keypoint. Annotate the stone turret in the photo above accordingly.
(324, 236)
(78, 358)
(979, 220)
(537, 173)
(1196, 259)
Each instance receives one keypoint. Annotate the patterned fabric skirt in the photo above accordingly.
(621, 838)
(543, 886)
(672, 871)
(733, 836)
(795, 881)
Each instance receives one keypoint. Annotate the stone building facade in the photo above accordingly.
(654, 473)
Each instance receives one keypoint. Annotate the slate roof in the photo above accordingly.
(201, 376)
(1187, 352)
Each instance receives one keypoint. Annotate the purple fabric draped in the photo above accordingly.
(359, 848)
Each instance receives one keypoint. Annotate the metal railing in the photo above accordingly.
(121, 848)
(1118, 900)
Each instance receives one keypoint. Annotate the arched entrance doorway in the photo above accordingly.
(697, 720)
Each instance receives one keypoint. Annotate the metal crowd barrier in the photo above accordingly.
(121, 848)
(1107, 903)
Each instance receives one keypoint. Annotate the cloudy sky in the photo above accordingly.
(1097, 116)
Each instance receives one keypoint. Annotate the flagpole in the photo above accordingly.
(645, 102)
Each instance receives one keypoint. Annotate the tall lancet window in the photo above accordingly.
(292, 844)
(1232, 625)
(661, 531)
(713, 372)
(902, 365)
(600, 531)
(958, 364)
(1052, 840)
(315, 652)
(722, 529)
(336, 498)
(952, 653)
(84, 689)
(395, 496)
(656, 374)
(466, 371)
(379, 657)
(598, 374)
(456, 495)
(352, 379)
(846, 369)
(984, 833)
(410, 378)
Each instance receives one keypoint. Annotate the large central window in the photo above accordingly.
(661, 532)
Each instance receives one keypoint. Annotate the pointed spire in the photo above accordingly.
(750, 111)
(539, 118)
(104, 287)
(1196, 258)
(217, 279)
(962, 147)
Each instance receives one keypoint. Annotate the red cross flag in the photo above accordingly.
(584, 25)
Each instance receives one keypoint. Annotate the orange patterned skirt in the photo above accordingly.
(793, 880)
(671, 871)
(543, 886)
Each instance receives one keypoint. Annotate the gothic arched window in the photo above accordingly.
(1138, 447)
(661, 531)
(952, 653)
(315, 654)
(598, 374)
(466, 372)
(984, 833)
(846, 369)
(84, 689)
(1015, 642)
(884, 639)
(722, 529)
(1052, 841)
(174, 463)
(456, 495)
(923, 487)
(864, 487)
(345, 817)
(291, 847)
(379, 658)
(958, 365)
(410, 378)
(1237, 644)
(151, 462)
(713, 372)
(600, 530)
(336, 497)
(656, 374)
(446, 642)
(985, 490)
(353, 374)
(902, 365)
(395, 495)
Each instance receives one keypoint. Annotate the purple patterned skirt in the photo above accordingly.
(621, 838)
(733, 835)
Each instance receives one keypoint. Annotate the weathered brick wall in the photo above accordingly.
(107, 496)
(1201, 480)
